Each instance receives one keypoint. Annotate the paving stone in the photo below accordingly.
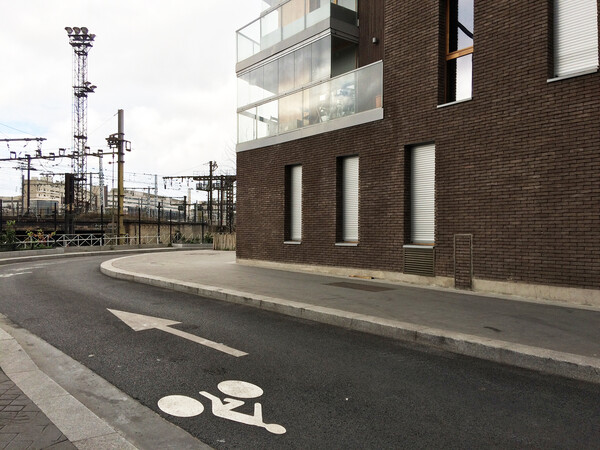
(21, 400)
(11, 408)
(25, 417)
(6, 438)
(19, 445)
(6, 418)
(50, 437)
(30, 408)
(23, 425)
(64, 445)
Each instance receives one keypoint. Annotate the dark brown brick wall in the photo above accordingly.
(517, 167)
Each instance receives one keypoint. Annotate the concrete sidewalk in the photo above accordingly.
(548, 337)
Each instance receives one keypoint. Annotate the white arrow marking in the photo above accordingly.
(139, 322)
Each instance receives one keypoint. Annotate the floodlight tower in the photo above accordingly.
(81, 41)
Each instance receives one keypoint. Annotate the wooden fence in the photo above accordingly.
(223, 241)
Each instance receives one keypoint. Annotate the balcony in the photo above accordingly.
(350, 99)
(289, 19)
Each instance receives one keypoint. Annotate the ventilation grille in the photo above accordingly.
(419, 260)
(463, 261)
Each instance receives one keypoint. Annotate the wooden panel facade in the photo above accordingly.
(370, 17)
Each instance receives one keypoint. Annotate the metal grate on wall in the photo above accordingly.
(419, 260)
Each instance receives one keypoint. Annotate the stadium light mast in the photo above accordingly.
(81, 41)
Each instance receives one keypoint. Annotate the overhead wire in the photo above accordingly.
(16, 129)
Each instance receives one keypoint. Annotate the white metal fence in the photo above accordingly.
(92, 240)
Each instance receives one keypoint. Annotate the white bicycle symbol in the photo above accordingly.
(183, 406)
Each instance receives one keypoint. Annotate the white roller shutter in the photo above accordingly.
(423, 194)
(350, 198)
(575, 36)
(296, 203)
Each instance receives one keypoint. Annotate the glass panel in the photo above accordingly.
(248, 41)
(246, 125)
(318, 10)
(292, 17)
(256, 83)
(270, 30)
(290, 112)
(461, 24)
(271, 76)
(286, 73)
(369, 88)
(317, 104)
(268, 121)
(343, 94)
(306, 119)
(459, 78)
(464, 77)
(302, 63)
(352, 93)
(266, 4)
(243, 87)
(350, 4)
(465, 23)
(321, 59)
(287, 20)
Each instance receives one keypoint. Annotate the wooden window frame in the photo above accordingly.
(449, 56)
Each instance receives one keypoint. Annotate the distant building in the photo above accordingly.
(11, 205)
(450, 142)
(45, 189)
(148, 202)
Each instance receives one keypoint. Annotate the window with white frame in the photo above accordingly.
(575, 36)
(294, 203)
(348, 199)
(422, 194)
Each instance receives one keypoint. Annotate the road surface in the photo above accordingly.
(238, 377)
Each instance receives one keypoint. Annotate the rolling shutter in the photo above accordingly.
(423, 194)
(350, 198)
(575, 36)
(296, 203)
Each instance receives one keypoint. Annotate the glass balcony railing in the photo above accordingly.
(290, 18)
(352, 93)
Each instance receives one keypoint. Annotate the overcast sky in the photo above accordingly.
(170, 65)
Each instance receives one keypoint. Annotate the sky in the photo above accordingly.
(170, 65)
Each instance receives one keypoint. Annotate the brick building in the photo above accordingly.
(451, 142)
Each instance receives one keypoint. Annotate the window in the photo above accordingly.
(422, 194)
(459, 50)
(575, 36)
(293, 203)
(348, 199)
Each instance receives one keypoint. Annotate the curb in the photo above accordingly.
(80, 425)
(551, 362)
(83, 253)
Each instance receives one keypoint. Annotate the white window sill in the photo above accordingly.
(423, 246)
(457, 102)
(573, 75)
(346, 244)
(292, 242)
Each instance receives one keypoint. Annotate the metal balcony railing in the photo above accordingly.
(284, 21)
(351, 93)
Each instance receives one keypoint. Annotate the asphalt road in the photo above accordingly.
(327, 387)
